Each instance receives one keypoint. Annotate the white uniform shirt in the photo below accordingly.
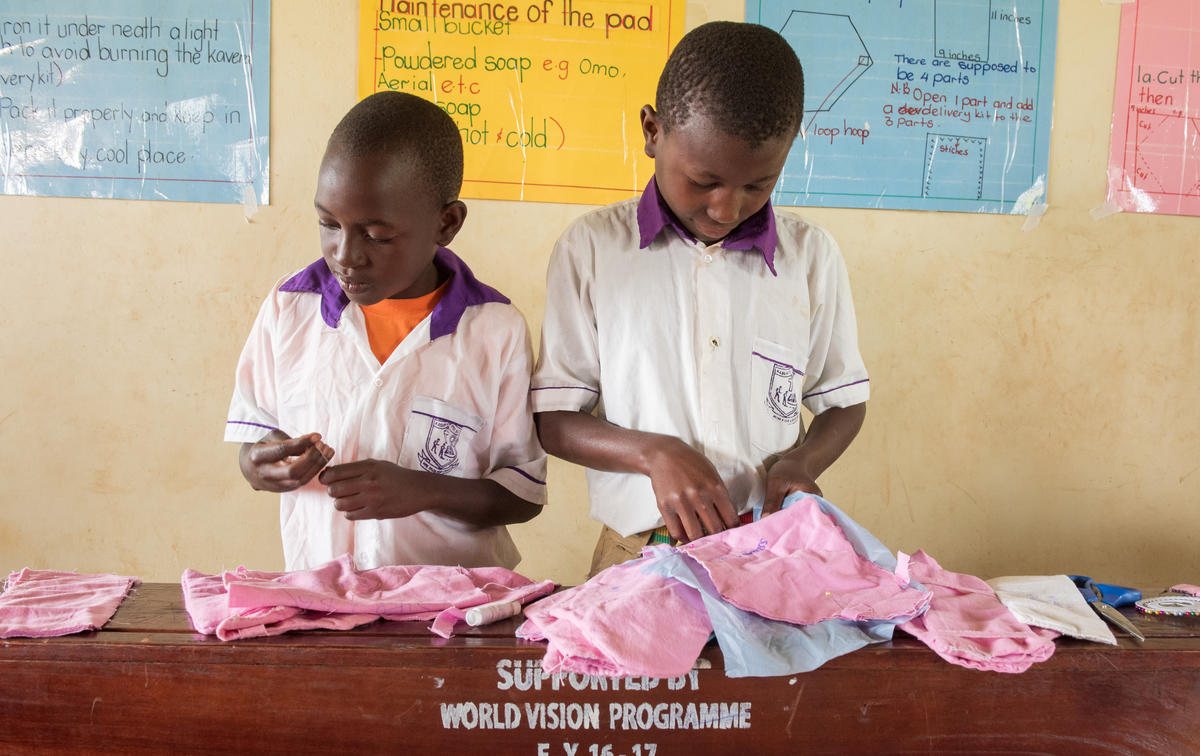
(713, 344)
(453, 398)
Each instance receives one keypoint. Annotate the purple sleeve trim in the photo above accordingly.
(445, 420)
(564, 388)
(835, 388)
(525, 474)
(795, 369)
(246, 422)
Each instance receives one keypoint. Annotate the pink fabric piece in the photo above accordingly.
(966, 623)
(46, 603)
(620, 623)
(1187, 588)
(336, 596)
(797, 566)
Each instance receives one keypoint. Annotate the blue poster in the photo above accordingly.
(919, 104)
(136, 99)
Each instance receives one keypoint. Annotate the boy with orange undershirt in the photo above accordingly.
(384, 390)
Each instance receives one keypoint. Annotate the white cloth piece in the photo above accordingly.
(1053, 602)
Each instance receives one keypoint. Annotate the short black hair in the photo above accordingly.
(745, 78)
(406, 126)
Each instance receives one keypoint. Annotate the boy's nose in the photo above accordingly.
(724, 206)
(348, 252)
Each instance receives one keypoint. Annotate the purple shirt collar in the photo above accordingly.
(756, 232)
(465, 290)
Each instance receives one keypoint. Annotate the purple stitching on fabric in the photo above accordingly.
(835, 388)
(525, 474)
(564, 388)
(762, 546)
(795, 369)
(445, 420)
(247, 422)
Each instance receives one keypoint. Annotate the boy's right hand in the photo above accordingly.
(280, 463)
(692, 498)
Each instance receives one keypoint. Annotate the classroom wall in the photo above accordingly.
(1034, 394)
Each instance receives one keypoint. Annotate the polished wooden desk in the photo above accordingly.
(148, 683)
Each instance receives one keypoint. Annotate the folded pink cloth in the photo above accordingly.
(966, 623)
(45, 603)
(335, 596)
(1187, 588)
(797, 566)
(620, 623)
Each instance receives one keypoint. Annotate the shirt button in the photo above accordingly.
(708, 258)
(714, 342)
(378, 382)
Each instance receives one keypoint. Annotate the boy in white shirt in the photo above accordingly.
(384, 391)
(683, 328)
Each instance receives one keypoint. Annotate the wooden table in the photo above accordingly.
(148, 683)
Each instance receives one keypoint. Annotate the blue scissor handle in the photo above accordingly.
(1113, 595)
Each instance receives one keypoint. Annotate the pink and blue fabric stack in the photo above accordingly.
(782, 595)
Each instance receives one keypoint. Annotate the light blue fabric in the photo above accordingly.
(754, 646)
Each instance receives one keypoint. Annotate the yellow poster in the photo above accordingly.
(546, 93)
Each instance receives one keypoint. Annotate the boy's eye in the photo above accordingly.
(326, 224)
(379, 239)
(702, 184)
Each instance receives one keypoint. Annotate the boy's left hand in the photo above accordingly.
(787, 476)
(370, 489)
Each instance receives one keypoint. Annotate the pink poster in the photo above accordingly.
(1154, 163)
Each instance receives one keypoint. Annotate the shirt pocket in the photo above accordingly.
(438, 439)
(775, 384)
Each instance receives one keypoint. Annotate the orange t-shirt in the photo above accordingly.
(390, 321)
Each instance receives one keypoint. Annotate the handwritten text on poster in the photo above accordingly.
(1154, 162)
(919, 105)
(147, 99)
(546, 93)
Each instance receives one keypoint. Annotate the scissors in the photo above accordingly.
(1103, 597)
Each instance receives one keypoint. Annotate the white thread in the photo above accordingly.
(485, 614)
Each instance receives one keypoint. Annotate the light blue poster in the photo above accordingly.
(136, 99)
(919, 104)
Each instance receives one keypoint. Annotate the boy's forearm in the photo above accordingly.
(597, 444)
(481, 503)
(827, 438)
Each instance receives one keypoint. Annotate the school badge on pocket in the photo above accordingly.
(781, 393)
(438, 438)
(440, 454)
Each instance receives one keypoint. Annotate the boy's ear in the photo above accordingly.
(454, 214)
(651, 129)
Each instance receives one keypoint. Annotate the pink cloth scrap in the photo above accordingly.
(247, 603)
(620, 623)
(966, 623)
(1187, 588)
(797, 566)
(46, 603)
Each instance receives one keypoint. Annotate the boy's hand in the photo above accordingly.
(279, 463)
(787, 476)
(691, 496)
(797, 470)
(371, 489)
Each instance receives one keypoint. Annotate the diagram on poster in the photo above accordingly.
(1154, 160)
(545, 93)
(136, 99)
(919, 104)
